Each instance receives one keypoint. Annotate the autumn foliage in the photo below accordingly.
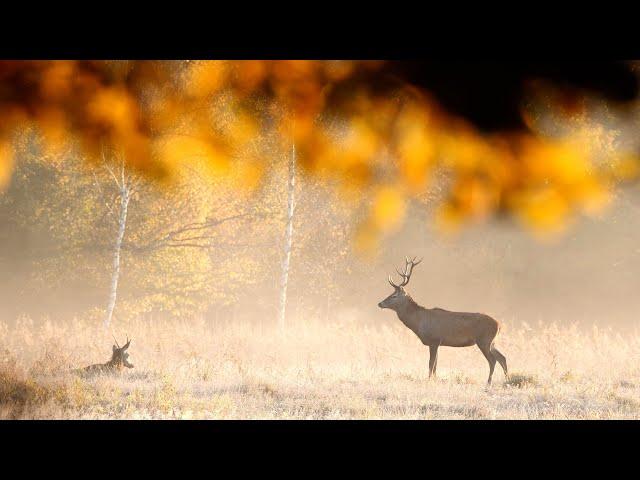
(380, 145)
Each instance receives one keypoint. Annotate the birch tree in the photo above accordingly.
(69, 248)
(126, 182)
(288, 238)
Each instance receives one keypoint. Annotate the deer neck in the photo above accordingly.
(113, 363)
(408, 314)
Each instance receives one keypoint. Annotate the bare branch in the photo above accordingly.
(174, 235)
(115, 179)
(97, 184)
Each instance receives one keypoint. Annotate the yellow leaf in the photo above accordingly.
(205, 78)
(388, 208)
(6, 162)
(179, 150)
(543, 210)
(115, 108)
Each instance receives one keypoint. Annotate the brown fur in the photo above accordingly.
(437, 327)
(119, 360)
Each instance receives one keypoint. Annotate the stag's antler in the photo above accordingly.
(126, 345)
(408, 269)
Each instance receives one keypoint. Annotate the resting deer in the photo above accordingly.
(437, 327)
(119, 359)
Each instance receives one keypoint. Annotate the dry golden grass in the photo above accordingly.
(342, 370)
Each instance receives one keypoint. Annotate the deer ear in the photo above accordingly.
(114, 348)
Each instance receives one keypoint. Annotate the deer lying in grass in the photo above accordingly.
(119, 360)
(437, 327)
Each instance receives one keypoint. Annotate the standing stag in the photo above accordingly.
(437, 327)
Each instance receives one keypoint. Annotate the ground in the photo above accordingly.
(342, 370)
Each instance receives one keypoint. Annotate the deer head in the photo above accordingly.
(120, 355)
(399, 296)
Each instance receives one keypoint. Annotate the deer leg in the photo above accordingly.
(501, 360)
(433, 359)
(486, 351)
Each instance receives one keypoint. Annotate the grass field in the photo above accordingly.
(342, 370)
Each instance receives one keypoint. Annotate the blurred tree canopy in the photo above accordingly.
(378, 131)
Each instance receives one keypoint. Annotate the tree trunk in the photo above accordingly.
(288, 240)
(115, 275)
(328, 307)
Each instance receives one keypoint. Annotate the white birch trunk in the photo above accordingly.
(328, 307)
(288, 240)
(115, 274)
